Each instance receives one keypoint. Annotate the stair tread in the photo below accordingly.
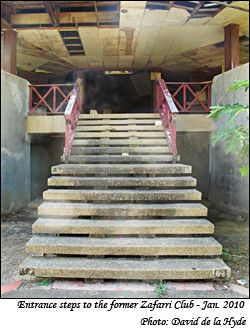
(95, 122)
(124, 246)
(118, 195)
(78, 209)
(119, 150)
(122, 168)
(121, 142)
(123, 128)
(118, 158)
(153, 226)
(116, 134)
(171, 269)
(119, 115)
(122, 181)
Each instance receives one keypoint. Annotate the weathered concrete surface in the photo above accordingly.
(119, 150)
(88, 209)
(45, 124)
(120, 195)
(193, 148)
(193, 123)
(154, 182)
(121, 169)
(129, 269)
(45, 152)
(123, 227)
(167, 246)
(16, 231)
(15, 146)
(119, 158)
(228, 191)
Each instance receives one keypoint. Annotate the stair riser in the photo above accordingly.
(116, 196)
(119, 159)
(121, 142)
(132, 251)
(121, 169)
(88, 122)
(106, 230)
(121, 116)
(167, 269)
(126, 227)
(107, 134)
(114, 182)
(119, 150)
(121, 128)
(53, 211)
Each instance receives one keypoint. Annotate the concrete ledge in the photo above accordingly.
(56, 124)
(45, 124)
(193, 123)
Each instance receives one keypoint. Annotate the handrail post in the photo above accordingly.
(167, 109)
(71, 115)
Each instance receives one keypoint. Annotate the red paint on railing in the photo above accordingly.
(53, 98)
(167, 108)
(71, 114)
(187, 96)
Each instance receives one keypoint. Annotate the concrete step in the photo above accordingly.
(120, 169)
(119, 150)
(120, 142)
(89, 209)
(120, 116)
(127, 134)
(123, 227)
(154, 182)
(121, 128)
(87, 122)
(155, 269)
(119, 158)
(167, 246)
(122, 195)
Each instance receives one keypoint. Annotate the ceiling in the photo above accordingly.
(179, 36)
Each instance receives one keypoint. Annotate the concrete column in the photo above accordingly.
(231, 46)
(10, 51)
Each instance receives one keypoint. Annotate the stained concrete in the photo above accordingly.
(228, 191)
(16, 230)
(45, 152)
(15, 146)
(193, 148)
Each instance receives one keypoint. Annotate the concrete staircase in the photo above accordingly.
(121, 210)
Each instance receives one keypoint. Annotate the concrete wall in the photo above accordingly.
(193, 148)
(15, 147)
(46, 151)
(228, 191)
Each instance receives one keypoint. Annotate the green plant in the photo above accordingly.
(235, 136)
(161, 288)
(46, 282)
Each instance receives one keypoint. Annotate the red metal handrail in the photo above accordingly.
(53, 98)
(189, 99)
(167, 108)
(71, 114)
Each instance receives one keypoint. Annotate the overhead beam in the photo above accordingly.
(52, 11)
(196, 10)
(231, 6)
(10, 51)
(231, 46)
(5, 24)
(31, 49)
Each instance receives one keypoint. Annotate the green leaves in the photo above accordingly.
(236, 137)
(239, 84)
